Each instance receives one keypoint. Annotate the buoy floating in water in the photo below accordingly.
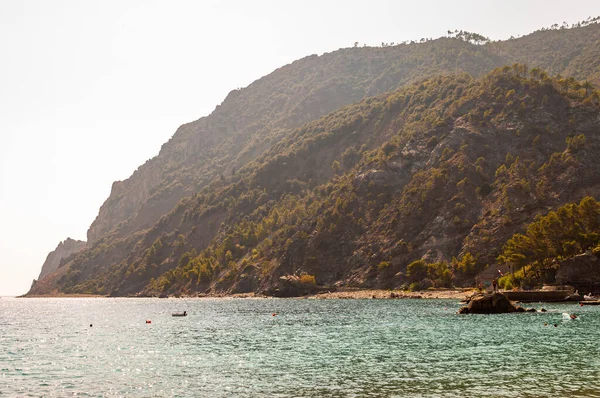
(148, 321)
(274, 314)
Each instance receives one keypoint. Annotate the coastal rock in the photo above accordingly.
(495, 303)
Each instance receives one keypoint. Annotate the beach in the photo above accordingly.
(339, 293)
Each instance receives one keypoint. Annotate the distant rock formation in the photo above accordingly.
(63, 250)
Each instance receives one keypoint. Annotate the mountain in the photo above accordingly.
(419, 168)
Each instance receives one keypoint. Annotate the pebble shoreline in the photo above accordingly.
(343, 293)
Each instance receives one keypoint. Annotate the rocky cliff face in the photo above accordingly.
(64, 249)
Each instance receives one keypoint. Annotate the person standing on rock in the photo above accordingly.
(495, 285)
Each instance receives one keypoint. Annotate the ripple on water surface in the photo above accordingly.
(312, 348)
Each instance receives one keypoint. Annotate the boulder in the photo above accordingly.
(484, 303)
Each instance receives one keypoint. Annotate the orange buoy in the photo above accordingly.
(274, 314)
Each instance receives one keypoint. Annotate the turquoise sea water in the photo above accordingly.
(312, 348)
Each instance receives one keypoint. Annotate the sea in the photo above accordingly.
(113, 347)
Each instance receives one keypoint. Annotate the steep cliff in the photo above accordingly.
(65, 249)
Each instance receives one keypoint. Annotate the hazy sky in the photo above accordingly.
(89, 90)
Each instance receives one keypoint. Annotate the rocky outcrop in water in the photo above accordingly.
(495, 303)
(63, 250)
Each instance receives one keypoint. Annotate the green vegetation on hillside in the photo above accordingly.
(570, 230)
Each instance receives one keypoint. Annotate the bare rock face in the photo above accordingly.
(64, 249)
(495, 303)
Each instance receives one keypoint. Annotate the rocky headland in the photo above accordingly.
(64, 250)
(491, 303)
